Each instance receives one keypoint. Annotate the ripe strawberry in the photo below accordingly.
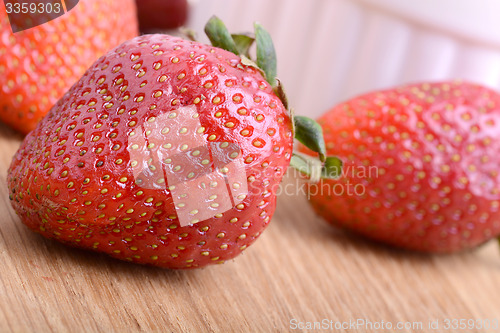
(421, 166)
(38, 65)
(166, 152)
(161, 14)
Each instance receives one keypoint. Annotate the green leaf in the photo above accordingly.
(310, 134)
(332, 169)
(266, 55)
(219, 35)
(243, 43)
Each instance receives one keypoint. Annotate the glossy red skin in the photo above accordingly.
(38, 65)
(161, 14)
(437, 185)
(39, 185)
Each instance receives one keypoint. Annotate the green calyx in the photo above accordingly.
(306, 130)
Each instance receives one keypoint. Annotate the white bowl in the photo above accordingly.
(331, 50)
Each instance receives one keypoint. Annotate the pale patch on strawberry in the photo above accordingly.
(204, 178)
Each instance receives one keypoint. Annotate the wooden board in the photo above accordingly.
(300, 270)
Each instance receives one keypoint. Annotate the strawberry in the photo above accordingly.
(161, 14)
(40, 64)
(421, 166)
(166, 152)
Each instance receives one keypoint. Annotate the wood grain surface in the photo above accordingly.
(301, 270)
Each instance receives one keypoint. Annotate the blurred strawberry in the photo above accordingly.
(161, 14)
(38, 65)
(421, 166)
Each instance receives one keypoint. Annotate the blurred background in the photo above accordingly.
(331, 50)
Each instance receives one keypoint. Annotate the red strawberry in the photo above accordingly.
(166, 152)
(161, 14)
(421, 166)
(38, 65)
